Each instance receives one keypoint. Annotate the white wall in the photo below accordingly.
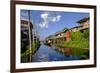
(5, 36)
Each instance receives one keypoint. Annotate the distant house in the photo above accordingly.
(83, 25)
(61, 33)
(75, 29)
(57, 37)
(84, 22)
(65, 34)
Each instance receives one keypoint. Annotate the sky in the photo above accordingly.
(49, 22)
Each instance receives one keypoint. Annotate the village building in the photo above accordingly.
(75, 29)
(85, 22)
(65, 34)
(58, 37)
(25, 31)
(26, 38)
(83, 25)
(29, 37)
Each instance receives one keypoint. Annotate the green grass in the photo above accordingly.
(79, 44)
(84, 44)
(78, 48)
(78, 40)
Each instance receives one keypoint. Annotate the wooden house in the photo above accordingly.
(26, 37)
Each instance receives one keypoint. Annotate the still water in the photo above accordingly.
(46, 53)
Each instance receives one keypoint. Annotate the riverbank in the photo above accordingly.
(25, 56)
(73, 48)
(67, 51)
(48, 53)
(77, 45)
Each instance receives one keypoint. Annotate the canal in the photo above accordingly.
(46, 53)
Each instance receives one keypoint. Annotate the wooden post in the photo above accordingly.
(30, 43)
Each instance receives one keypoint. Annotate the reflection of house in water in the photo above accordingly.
(65, 34)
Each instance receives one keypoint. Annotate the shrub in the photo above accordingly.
(76, 35)
(86, 34)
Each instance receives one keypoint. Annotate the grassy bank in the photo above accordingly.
(78, 40)
(74, 44)
(75, 48)
(78, 45)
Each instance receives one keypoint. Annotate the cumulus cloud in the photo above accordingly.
(48, 17)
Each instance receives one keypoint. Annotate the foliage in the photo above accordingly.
(76, 35)
(86, 34)
(78, 40)
(35, 46)
(23, 47)
(65, 29)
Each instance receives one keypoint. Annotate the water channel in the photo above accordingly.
(46, 53)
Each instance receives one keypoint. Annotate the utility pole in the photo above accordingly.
(30, 41)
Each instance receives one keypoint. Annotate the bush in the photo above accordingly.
(25, 49)
(78, 40)
(86, 34)
(76, 35)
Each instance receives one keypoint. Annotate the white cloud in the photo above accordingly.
(44, 25)
(58, 17)
(44, 16)
(48, 17)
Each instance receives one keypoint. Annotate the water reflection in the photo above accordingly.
(46, 53)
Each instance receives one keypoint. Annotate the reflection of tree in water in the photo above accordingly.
(46, 53)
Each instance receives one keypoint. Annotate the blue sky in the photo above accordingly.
(49, 22)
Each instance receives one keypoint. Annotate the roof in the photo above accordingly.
(75, 27)
(83, 20)
(57, 33)
(25, 22)
(62, 31)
